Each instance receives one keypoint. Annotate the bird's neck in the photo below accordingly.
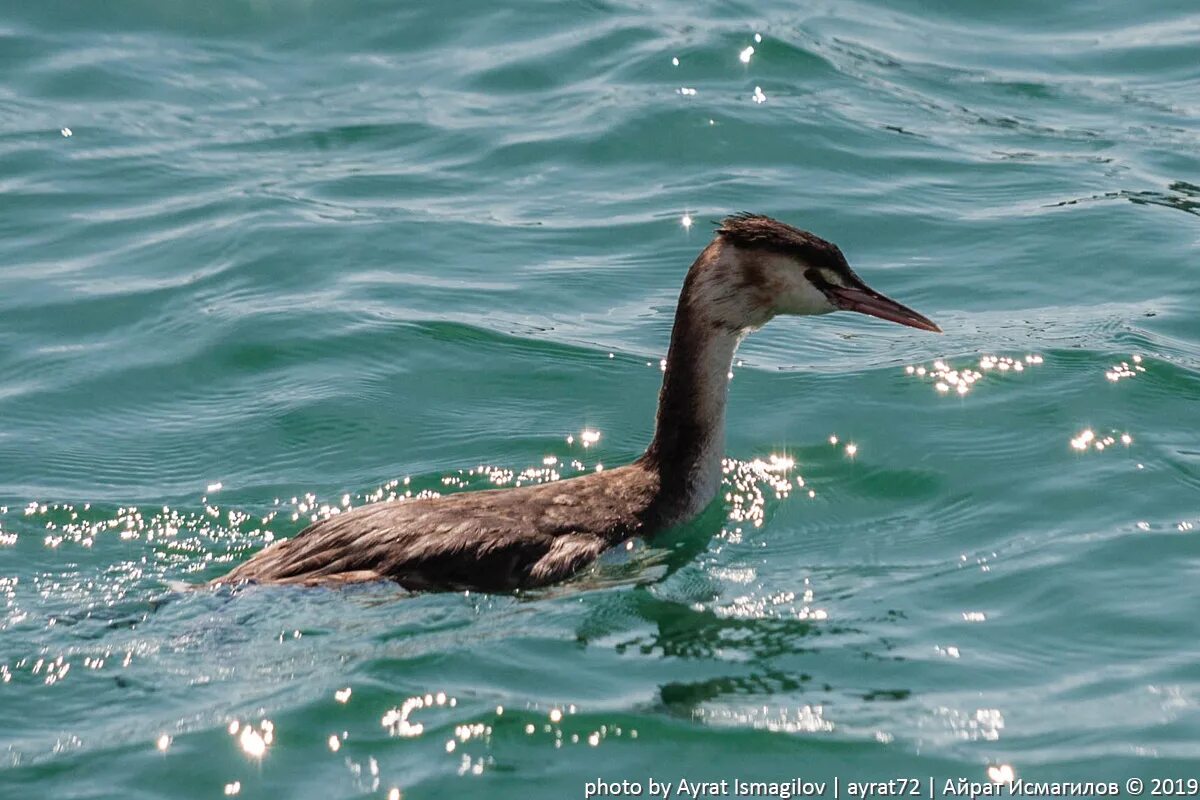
(689, 435)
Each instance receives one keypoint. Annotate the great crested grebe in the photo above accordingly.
(506, 539)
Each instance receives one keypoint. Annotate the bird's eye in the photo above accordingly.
(821, 278)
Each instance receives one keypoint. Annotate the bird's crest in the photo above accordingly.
(759, 231)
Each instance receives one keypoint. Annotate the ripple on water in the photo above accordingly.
(256, 251)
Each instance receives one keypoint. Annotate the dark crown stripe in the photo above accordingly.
(759, 231)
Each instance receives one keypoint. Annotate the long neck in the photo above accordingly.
(689, 434)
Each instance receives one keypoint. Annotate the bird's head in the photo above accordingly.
(757, 267)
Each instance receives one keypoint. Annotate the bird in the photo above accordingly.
(512, 539)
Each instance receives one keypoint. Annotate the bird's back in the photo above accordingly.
(495, 540)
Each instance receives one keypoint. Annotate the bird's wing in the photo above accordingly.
(566, 556)
(427, 545)
(494, 540)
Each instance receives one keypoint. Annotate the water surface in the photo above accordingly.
(259, 260)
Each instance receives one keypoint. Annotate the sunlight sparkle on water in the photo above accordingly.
(772, 605)
(397, 720)
(983, 724)
(1001, 773)
(803, 719)
(758, 95)
(686, 221)
(1087, 439)
(254, 743)
(745, 481)
(947, 379)
(746, 54)
(1124, 370)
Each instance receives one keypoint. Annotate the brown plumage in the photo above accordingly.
(505, 539)
(494, 540)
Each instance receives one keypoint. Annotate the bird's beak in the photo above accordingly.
(866, 300)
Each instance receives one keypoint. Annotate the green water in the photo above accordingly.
(305, 249)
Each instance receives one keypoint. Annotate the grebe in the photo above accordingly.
(506, 539)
